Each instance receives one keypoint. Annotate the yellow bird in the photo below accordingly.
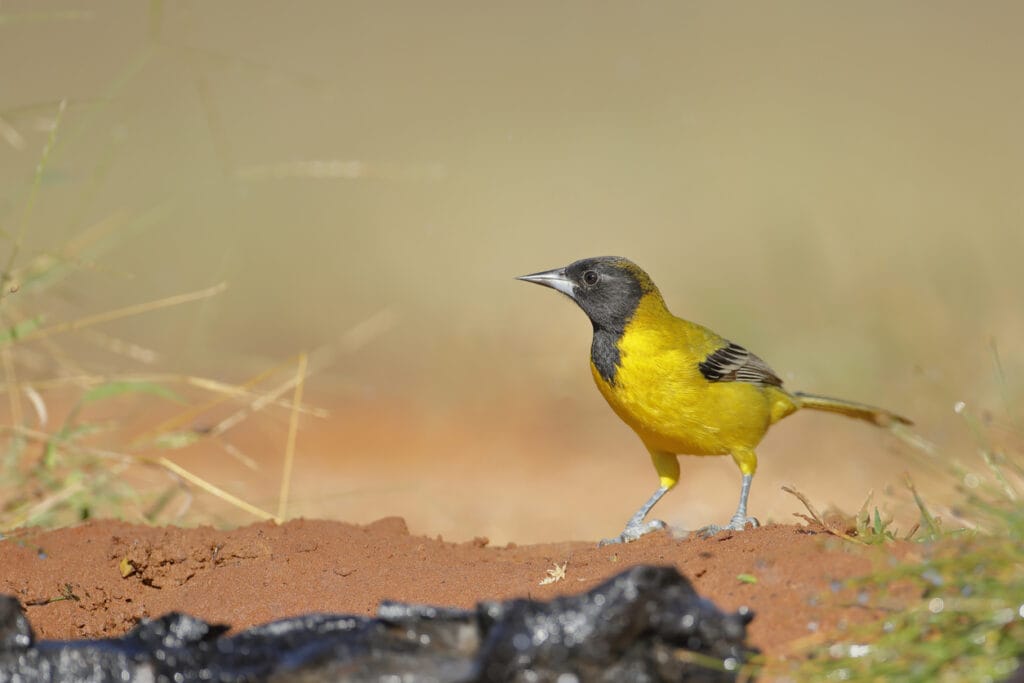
(681, 387)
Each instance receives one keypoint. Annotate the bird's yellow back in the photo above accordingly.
(660, 392)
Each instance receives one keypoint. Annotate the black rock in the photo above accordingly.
(646, 624)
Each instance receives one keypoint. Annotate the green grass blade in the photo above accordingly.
(121, 388)
(19, 330)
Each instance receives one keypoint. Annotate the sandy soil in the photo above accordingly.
(100, 578)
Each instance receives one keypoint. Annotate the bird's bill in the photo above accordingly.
(555, 279)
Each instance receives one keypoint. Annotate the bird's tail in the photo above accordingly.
(861, 411)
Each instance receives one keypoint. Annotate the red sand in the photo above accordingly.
(264, 571)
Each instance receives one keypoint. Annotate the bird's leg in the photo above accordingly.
(636, 527)
(740, 520)
(748, 464)
(667, 466)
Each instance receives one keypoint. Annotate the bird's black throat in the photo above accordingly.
(610, 308)
(604, 353)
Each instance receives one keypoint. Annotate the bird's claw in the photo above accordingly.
(634, 530)
(735, 524)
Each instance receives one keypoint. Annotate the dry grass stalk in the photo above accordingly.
(293, 426)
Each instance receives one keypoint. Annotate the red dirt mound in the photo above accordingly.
(100, 578)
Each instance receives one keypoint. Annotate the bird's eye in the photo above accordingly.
(590, 277)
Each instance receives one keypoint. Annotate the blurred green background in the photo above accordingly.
(837, 187)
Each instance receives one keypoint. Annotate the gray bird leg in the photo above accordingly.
(739, 520)
(636, 527)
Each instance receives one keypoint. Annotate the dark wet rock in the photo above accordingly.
(646, 624)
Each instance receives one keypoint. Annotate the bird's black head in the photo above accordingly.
(607, 288)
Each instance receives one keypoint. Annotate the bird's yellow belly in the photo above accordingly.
(674, 409)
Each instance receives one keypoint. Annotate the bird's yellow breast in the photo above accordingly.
(659, 391)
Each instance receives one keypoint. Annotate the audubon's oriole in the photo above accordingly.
(681, 387)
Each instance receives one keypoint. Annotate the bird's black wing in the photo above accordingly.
(733, 363)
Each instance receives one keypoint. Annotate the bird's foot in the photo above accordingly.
(735, 524)
(634, 530)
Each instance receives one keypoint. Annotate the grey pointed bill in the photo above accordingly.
(555, 279)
